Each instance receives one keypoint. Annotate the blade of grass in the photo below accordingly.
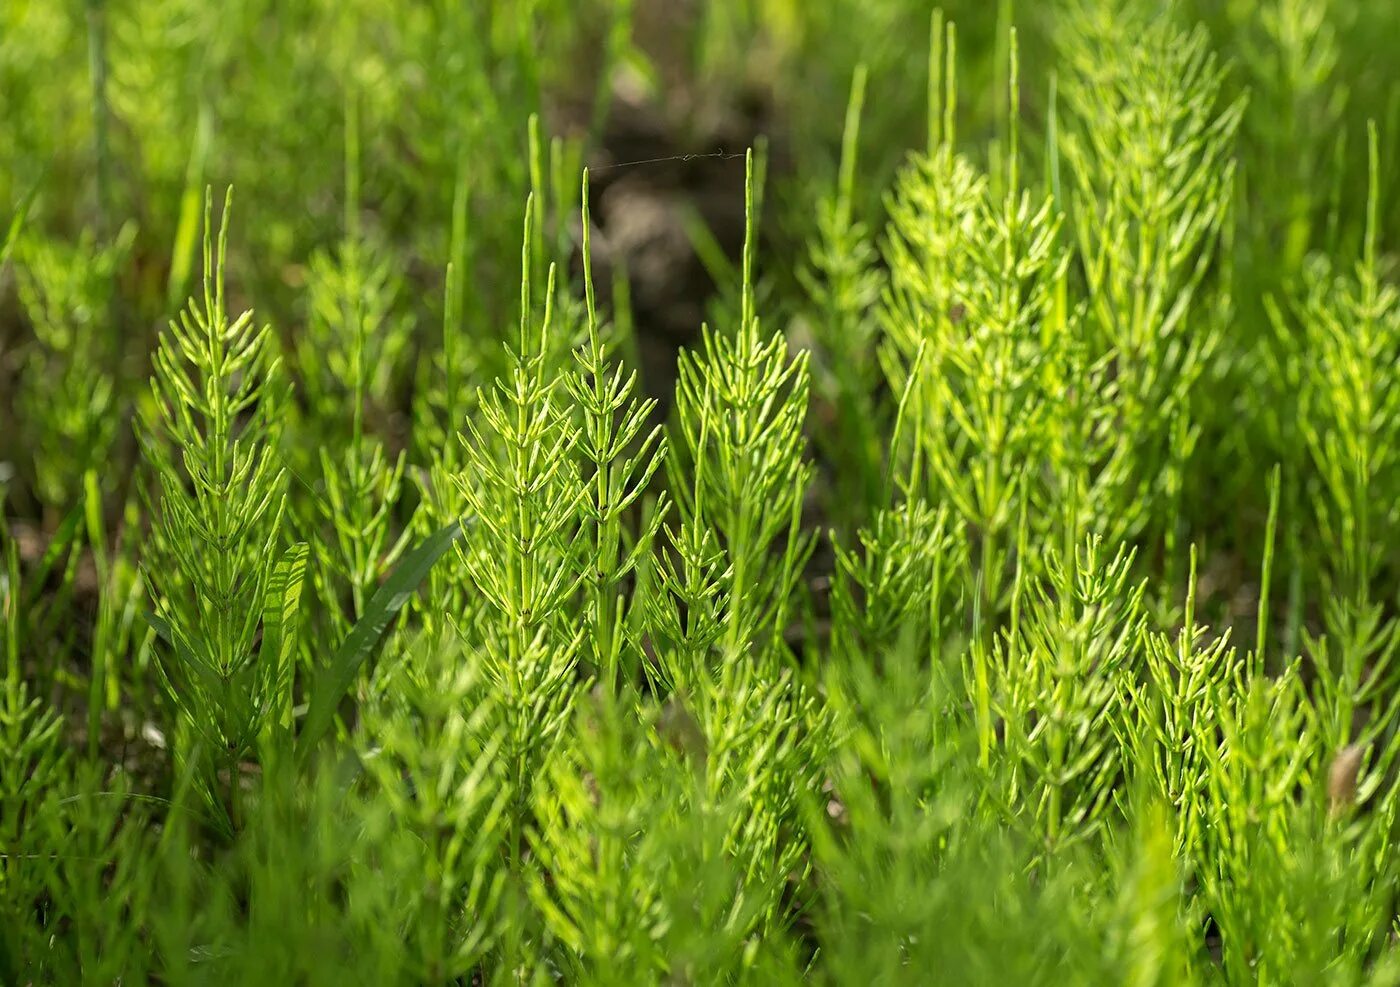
(17, 224)
(367, 633)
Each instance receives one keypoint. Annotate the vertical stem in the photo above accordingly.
(982, 695)
(935, 82)
(1013, 122)
(97, 538)
(352, 262)
(454, 311)
(850, 146)
(605, 537)
(1052, 141)
(1361, 501)
(538, 194)
(97, 68)
(235, 797)
(1005, 63)
(747, 303)
(950, 92)
(1266, 574)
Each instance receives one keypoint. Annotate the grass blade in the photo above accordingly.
(366, 635)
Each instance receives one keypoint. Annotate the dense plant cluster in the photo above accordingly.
(1002, 589)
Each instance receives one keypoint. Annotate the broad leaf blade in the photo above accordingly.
(366, 635)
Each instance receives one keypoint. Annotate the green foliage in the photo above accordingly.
(70, 388)
(844, 284)
(635, 875)
(620, 455)
(431, 750)
(209, 436)
(898, 636)
(1066, 663)
(741, 404)
(1150, 155)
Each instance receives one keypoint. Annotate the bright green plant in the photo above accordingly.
(970, 307)
(620, 456)
(1014, 601)
(209, 435)
(1151, 171)
(1066, 664)
(741, 405)
(431, 753)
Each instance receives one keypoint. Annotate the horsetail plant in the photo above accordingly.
(1069, 663)
(1150, 152)
(620, 456)
(30, 733)
(219, 567)
(354, 340)
(844, 283)
(972, 297)
(523, 490)
(905, 643)
(431, 753)
(741, 405)
(1172, 713)
(67, 293)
